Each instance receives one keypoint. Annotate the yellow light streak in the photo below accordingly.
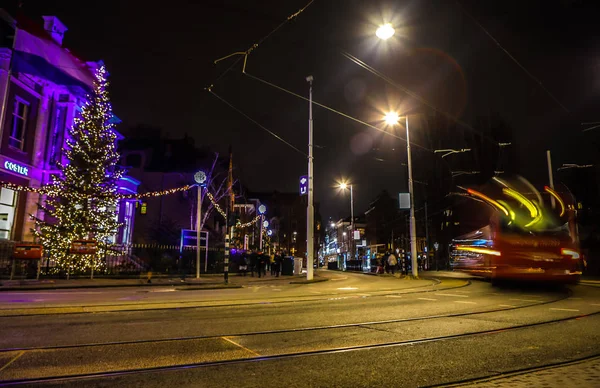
(488, 199)
(484, 251)
(558, 199)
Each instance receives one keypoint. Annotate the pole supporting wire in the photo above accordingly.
(335, 111)
(256, 123)
(537, 81)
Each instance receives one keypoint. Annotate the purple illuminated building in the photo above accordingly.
(42, 89)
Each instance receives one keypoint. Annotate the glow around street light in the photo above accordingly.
(262, 209)
(391, 118)
(343, 185)
(385, 31)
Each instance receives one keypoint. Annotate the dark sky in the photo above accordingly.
(161, 59)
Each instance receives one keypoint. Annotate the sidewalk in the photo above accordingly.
(577, 375)
(206, 281)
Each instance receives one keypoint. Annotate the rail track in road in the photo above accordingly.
(250, 356)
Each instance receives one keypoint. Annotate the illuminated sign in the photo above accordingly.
(304, 185)
(14, 167)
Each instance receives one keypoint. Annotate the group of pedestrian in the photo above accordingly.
(260, 262)
(387, 263)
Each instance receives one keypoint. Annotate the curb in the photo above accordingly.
(319, 280)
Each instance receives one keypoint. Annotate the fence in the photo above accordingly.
(124, 261)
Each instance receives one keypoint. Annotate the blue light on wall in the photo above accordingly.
(15, 167)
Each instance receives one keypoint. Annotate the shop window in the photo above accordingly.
(7, 212)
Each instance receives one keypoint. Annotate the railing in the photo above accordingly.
(131, 260)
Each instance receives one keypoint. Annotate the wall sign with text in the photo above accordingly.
(16, 167)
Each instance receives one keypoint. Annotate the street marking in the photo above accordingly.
(276, 289)
(532, 296)
(344, 278)
(506, 305)
(241, 346)
(168, 290)
(526, 300)
(464, 301)
(393, 296)
(463, 292)
(348, 288)
(364, 294)
(15, 358)
(454, 295)
(315, 292)
(555, 309)
(427, 299)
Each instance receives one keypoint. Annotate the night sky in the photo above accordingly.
(161, 60)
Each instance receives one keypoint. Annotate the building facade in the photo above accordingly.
(42, 89)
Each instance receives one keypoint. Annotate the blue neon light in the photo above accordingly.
(15, 167)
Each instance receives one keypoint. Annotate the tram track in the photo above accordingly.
(262, 358)
(294, 330)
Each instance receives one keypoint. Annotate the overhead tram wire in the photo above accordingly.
(244, 54)
(332, 110)
(537, 81)
(414, 95)
(257, 123)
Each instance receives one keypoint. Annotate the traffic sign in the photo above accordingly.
(304, 185)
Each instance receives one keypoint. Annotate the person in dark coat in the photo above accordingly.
(252, 259)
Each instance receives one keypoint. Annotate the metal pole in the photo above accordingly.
(550, 175)
(310, 209)
(352, 223)
(413, 226)
(262, 218)
(427, 237)
(198, 226)
(226, 254)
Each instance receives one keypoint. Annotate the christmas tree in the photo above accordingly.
(81, 203)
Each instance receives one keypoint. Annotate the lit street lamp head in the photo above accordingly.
(200, 177)
(262, 209)
(343, 186)
(391, 118)
(385, 31)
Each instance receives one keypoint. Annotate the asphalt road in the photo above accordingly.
(356, 330)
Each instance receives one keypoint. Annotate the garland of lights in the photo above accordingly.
(216, 205)
(47, 190)
(250, 223)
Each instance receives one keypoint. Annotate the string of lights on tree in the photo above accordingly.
(215, 204)
(82, 198)
(249, 223)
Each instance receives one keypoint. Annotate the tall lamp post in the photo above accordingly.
(392, 118)
(200, 178)
(310, 212)
(344, 186)
(262, 209)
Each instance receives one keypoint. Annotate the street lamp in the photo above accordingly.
(200, 178)
(385, 31)
(262, 209)
(391, 119)
(310, 211)
(344, 186)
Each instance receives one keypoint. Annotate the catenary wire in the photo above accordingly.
(257, 123)
(536, 80)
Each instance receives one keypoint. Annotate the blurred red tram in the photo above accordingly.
(509, 250)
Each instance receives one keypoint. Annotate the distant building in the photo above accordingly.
(161, 164)
(42, 89)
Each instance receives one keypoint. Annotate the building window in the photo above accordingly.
(19, 124)
(60, 116)
(128, 222)
(7, 212)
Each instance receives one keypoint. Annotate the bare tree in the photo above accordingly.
(216, 185)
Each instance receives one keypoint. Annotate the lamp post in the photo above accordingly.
(200, 178)
(261, 210)
(344, 186)
(392, 118)
(310, 213)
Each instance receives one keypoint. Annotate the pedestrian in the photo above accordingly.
(278, 263)
(392, 262)
(272, 264)
(252, 259)
(386, 265)
(244, 264)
